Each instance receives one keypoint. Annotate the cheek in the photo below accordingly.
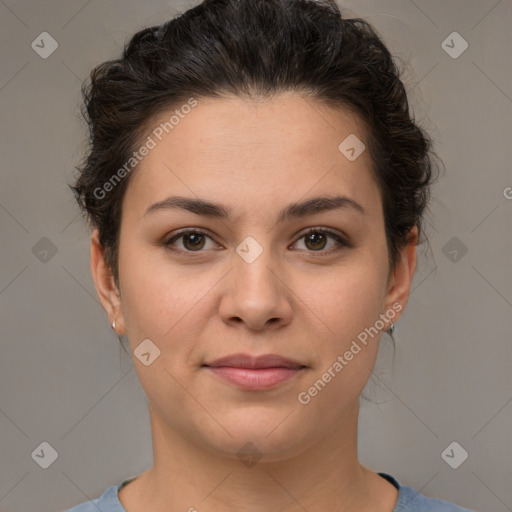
(161, 303)
(349, 303)
(348, 299)
(164, 306)
(349, 306)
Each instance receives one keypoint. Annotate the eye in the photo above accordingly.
(193, 240)
(315, 240)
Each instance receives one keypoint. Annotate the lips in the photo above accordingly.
(254, 363)
(255, 373)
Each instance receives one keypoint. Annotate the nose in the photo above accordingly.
(256, 294)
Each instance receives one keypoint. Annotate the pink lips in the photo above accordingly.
(255, 373)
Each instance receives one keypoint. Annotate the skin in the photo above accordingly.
(255, 157)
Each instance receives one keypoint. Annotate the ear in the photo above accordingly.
(106, 288)
(402, 275)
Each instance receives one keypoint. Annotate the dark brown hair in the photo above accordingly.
(254, 49)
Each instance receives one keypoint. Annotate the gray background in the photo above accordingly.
(63, 376)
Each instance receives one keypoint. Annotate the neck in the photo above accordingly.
(323, 475)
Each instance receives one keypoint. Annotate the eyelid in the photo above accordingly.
(327, 230)
(184, 231)
(341, 239)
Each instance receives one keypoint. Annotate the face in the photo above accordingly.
(261, 271)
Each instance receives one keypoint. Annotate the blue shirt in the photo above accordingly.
(409, 500)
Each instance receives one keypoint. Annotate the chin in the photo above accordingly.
(268, 437)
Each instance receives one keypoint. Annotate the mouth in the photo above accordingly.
(255, 373)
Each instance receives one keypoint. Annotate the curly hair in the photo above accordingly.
(254, 49)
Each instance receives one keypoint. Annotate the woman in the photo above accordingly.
(256, 187)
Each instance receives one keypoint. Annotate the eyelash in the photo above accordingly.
(341, 242)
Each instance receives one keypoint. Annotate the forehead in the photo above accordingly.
(236, 151)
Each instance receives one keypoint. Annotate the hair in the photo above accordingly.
(255, 49)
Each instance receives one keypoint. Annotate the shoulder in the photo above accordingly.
(107, 502)
(410, 500)
(413, 501)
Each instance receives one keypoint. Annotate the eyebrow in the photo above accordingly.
(294, 210)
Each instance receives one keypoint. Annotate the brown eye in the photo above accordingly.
(315, 240)
(192, 240)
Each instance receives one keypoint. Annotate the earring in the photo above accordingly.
(113, 325)
(391, 329)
